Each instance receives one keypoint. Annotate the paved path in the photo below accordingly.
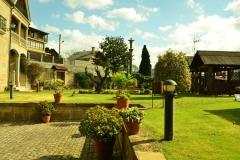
(53, 141)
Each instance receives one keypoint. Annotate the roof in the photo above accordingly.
(227, 58)
(37, 30)
(82, 55)
(59, 67)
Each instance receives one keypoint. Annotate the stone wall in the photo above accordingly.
(27, 111)
(10, 112)
(5, 11)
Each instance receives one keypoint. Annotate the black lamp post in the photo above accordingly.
(169, 87)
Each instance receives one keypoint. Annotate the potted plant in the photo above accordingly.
(121, 81)
(123, 100)
(101, 125)
(58, 87)
(46, 109)
(132, 119)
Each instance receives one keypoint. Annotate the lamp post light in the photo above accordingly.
(169, 87)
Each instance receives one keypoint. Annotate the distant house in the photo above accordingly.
(215, 72)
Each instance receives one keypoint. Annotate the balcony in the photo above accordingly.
(44, 58)
(18, 40)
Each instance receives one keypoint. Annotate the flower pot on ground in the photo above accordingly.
(123, 100)
(57, 97)
(58, 87)
(132, 119)
(45, 108)
(101, 125)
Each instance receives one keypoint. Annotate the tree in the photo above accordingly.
(34, 72)
(173, 66)
(145, 65)
(112, 58)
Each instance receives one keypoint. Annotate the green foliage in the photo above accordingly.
(145, 66)
(23, 65)
(131, 114)
(113, 57)
(121, 81)
(123, 94)
(101, 123)
(114, 54)
(34, 72)
(174, 66)
(45, 108)
(57, 85)
(84, 80)
(144, 82)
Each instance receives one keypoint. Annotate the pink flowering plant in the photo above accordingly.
(101, 123)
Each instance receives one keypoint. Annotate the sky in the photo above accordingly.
(159, 24)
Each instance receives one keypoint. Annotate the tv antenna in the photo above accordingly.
(194, 43)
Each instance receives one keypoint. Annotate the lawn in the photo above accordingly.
(22, 97)
(205, 128)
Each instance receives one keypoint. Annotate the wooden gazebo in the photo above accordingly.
(215, 72)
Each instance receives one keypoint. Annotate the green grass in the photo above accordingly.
(22, 97)
(205, 128)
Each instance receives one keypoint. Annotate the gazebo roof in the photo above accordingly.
(220, 58)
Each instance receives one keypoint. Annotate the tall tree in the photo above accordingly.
(145, 65)
(112, 58)
(173, 66)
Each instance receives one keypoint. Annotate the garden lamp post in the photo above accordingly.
(169, 87)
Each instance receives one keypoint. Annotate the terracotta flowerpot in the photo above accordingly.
(104, 150)
(57, 97)
(122, 103)
(132, 127)
(46, 119)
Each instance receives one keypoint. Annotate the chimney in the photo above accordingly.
(93, 50)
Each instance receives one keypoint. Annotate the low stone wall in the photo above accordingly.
(11, 112)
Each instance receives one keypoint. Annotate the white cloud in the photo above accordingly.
(89, 4)
(44, 1)
(195, 6)
(129, 14)
(144, 35)
(56, 16)
(148, 10)
(94, 21)
(234, 6)
(74, 40)
(165, 28)
(214, 33)
(32, 24)
(51, 29)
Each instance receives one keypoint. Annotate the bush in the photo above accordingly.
(131, 114)
(101, 123)
(23, 65)
(122, 82)
(45, 108)
(53, 84)
(34, 71)
(83, 80)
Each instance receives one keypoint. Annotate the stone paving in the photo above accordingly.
(52, 141)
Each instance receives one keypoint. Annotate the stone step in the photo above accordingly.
(149, 155)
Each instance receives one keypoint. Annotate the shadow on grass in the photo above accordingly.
(232, 115)
(57, 157)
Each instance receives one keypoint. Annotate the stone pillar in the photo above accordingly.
(18, 71)
(41, 57)
(19, 31)
(52, 59)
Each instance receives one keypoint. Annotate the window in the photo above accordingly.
(2, 23)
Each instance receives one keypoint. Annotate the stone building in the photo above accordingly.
(19, 41)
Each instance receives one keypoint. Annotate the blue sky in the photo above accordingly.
(160, 24)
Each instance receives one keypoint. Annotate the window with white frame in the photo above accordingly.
(2, 23)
